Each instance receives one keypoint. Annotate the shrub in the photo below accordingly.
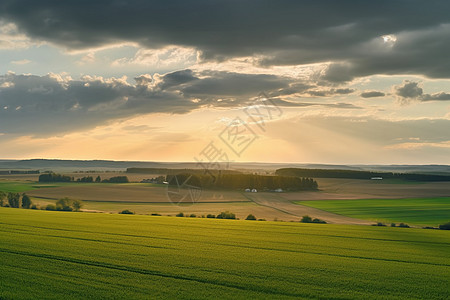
(155, 214)
(193, 216)
(64, 204)
(319, 221)
(392, 224)
(251, 217)
(403, 225)
(429, 227)
(261, 219)
(210, 216)
(306, 219)
(50, 207)
(33, 206)
(126, 212)
(226, 215)
(445, 226)
(379, 224)
(180, 214)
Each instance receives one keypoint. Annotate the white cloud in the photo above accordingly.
(21, 62)
(169, 56)
(10, 38)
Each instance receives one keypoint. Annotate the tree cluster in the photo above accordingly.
(53, 177)
(244, 181)
(117, 179)
(86, 179)
(15, 200)
(66, 204)
(353, 174)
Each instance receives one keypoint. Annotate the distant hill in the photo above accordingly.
(58, 165)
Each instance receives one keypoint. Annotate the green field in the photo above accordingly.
(24, 186)
(420, 211)
(56, 255)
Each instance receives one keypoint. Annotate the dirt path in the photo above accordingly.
(280, 204)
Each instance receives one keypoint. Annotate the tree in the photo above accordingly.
(98, 179)
(445, 226)
(64, 204)
(14, 199)
(226, 215)
(306, 219)
(77, 205)
(2, 198)
(251, 217)
(26, 201)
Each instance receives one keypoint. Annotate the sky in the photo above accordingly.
(338, 82)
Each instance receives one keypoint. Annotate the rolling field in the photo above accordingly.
(128, 192)
(420, 211)
(56, 255)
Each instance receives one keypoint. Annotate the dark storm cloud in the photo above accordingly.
(411, 90)
(372, 94)
(285, 32)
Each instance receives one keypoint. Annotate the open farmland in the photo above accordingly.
(421, 211)
(335, 188)
(62, 255)
(132, 192)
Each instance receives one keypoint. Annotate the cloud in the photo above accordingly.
(166, 57)
(50, 104)
(372, 94)
(21, 62)
(330, 92)
(10, 38)
(45, 105)
(436, 97)
(356, 38)
(411, 90)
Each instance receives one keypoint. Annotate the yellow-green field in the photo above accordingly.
(65, 255)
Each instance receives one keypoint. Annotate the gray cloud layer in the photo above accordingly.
(283, 32)
(43, 105)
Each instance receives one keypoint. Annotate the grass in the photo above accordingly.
(56, 255)
(16, 186)
(419, 211)
(26, 186)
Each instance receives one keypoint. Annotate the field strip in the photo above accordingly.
(316, 253)
(232, 230)
(260, 289)
(143, 202)
(88, 240)
(270, 206)
(288, 207)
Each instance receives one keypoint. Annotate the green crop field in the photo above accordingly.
(25, 186)
(55, 255)
(420, 211)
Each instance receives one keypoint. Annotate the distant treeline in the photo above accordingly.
(244, 181)
(351, 174)
(10, 172)
(53, 177)
(166, 171)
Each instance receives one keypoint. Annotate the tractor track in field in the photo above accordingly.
(258, 289)
(286, 206)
